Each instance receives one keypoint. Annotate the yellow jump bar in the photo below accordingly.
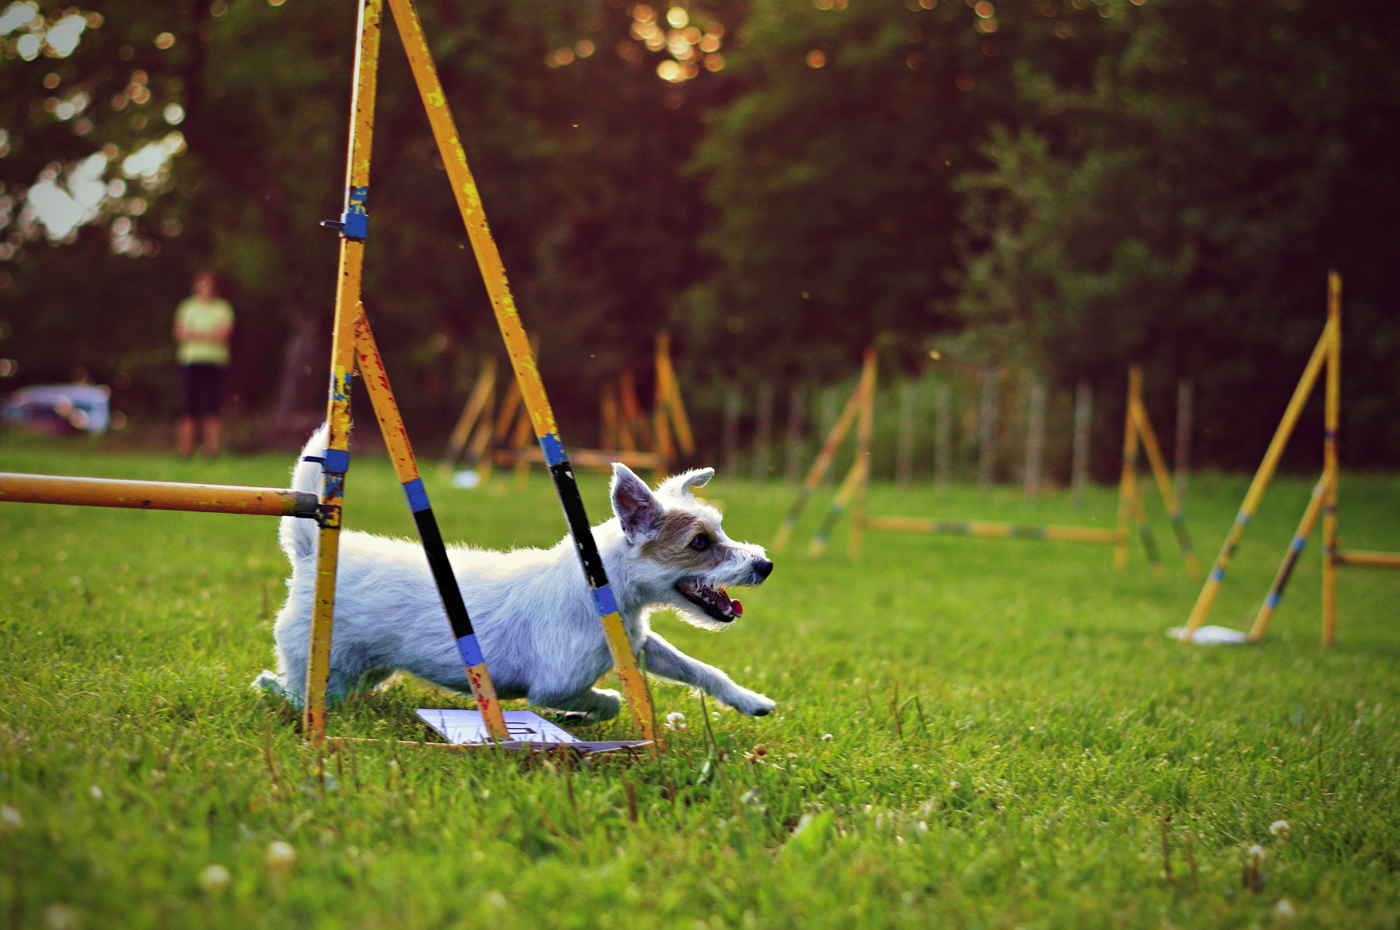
(1003, 530)
(155, 495)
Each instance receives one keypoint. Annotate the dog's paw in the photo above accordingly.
(752, 704)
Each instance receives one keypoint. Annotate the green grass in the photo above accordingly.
(1044, 738)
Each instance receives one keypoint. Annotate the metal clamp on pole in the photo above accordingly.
(354, 222)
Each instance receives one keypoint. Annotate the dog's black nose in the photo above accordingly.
(763, 567)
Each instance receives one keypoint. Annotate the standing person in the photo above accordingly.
(203, 323)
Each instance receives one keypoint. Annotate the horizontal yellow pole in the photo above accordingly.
(1086, 534)
(1373, 559)
(155, 495)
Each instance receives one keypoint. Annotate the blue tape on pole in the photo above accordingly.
(603, 600)
(553, 449)
(1218, 575)
(471, 652)
(1272, 599)
(417, 497)
(337, 460)
(354, 222)
(1242, 519)
(1299, 542)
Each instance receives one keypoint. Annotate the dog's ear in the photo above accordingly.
(636, 507)
(680, 485)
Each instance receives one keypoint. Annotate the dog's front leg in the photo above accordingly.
(666, 661)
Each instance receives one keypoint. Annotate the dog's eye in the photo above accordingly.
(699, 542)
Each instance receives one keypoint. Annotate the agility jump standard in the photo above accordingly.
(1323, 501)
(860, 411)
(353, 344)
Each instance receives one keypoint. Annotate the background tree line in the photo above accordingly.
(1062, 188)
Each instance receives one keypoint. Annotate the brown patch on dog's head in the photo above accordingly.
(673, 543)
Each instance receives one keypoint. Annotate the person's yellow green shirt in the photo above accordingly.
(197, 316)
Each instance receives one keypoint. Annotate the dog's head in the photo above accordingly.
(679, 555)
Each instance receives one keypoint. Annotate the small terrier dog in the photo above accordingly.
(532, 610)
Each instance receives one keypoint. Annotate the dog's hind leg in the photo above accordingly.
(666, 661)
(591, 704)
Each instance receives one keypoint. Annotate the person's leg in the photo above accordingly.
(184, 427)
(211, 436)
(214, 402)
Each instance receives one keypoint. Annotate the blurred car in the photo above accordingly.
(59, 408)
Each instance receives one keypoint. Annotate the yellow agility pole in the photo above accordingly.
(156, 495)
(386, 410)
(1329, 459)
(828, 452)
(1164, 487)
(477, 403)
(1084, 534)
(522, 360)
(1290, 559)
(668, 401)
(1261, 480)
(1369, 559)
(865, 429)
(1129, 501)
(854, 478)
(353, 226)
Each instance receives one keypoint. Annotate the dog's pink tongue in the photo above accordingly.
(735, 606)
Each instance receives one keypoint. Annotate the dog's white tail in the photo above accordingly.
(297, 534)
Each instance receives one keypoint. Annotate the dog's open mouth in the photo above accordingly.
(715, 602)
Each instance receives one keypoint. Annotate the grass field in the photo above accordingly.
(970, 733)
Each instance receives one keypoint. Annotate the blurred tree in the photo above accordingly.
(1183, 207)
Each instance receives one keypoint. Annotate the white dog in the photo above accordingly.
(532, 610)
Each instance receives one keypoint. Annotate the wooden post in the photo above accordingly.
(987, 431)
(797, 400)
(1083, 420)
(1181, 456)
(1330, 468)
(732, 408)
(1035, 439)
(943, 437)
(477, 403)
(763, 432)
(904, 454)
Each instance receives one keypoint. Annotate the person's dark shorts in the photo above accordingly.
(204, 390)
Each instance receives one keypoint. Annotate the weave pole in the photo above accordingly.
(1084, 534)
(353, 226)
(865, 429)
(386, 410)
(1261, 479)
(523, 361)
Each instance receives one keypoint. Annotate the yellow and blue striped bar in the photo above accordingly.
(1290, 559)
(819, 467)
(353, 227)
(391, 425)
(1085, 534)
(1261, 480)
(522, 359)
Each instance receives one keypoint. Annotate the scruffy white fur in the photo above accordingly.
(531, 608)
